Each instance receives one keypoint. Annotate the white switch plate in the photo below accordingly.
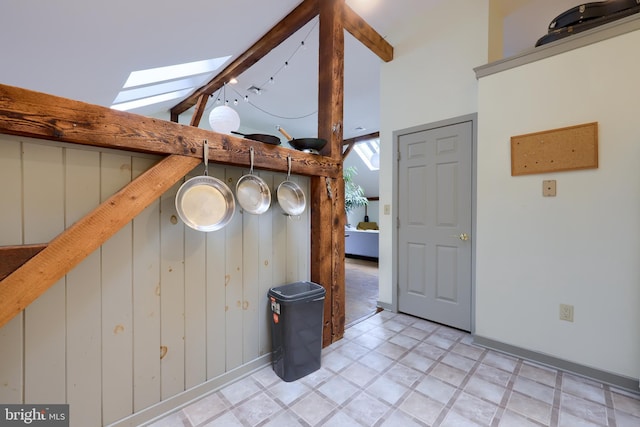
(566, 312)
(387, 209)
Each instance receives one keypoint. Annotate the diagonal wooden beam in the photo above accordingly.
(200, 106)
(33, 278)
(361, 30)
(38, 115)
(305, 12)
(349, 145)
(353, 141)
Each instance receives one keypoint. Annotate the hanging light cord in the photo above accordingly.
(217, 96)
(286, 63)
(276, 115)
(271, 79)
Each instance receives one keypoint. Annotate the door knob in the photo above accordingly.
(462, 236)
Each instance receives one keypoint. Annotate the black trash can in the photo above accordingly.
(296, 329)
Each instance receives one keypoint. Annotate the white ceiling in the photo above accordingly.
(85, 50)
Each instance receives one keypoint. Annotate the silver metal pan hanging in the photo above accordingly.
(252, 192)
(290, 196)
(205, 203)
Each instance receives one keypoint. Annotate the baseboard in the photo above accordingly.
(362, 257)
(385, 306)
(363, 318)
(620, 381)
(179, 401)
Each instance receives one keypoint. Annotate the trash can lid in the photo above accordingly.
(297, 291)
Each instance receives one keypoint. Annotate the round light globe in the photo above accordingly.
(224, 119)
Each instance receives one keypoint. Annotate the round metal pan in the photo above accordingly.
(308, 145)
(205, 203)
(261, 137)
(291, 198)
(252, 192)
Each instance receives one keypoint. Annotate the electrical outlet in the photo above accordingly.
(566, 312)
(549, 188)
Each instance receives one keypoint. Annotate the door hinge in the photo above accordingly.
(398, 155)
(398, 222)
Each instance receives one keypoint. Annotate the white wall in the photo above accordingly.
(527, 24)
(93, 339)
(431, 78)
(581, 247)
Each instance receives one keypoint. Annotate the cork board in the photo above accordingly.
(570, 148)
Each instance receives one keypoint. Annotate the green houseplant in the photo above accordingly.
(353, 193)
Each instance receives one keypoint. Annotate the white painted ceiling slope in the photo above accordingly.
(85, 50)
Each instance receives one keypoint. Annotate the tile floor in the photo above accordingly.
(400, 371)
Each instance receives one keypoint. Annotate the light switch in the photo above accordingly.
(549, 188)
(387, 209)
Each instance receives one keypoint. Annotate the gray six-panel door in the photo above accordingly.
(434, 216)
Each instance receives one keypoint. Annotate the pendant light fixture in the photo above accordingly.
(224, 119)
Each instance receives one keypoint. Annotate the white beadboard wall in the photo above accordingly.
(95, 339)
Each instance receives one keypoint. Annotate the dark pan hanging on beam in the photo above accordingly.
(261, 137)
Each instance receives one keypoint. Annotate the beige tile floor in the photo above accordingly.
(397, 370)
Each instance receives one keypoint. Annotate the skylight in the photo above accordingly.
(369, 152)
(150, 100)
(155, 85)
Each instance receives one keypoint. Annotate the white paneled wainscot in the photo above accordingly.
(156, 316)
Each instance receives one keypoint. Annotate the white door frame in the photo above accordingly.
(473, 118)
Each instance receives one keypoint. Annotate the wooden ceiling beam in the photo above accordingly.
(348, 150)
(199, 111)
(305, 12)
(363, 32)
(38, 115)
(284, 29)
(355, 139)
(331, 77)
(352, 141)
